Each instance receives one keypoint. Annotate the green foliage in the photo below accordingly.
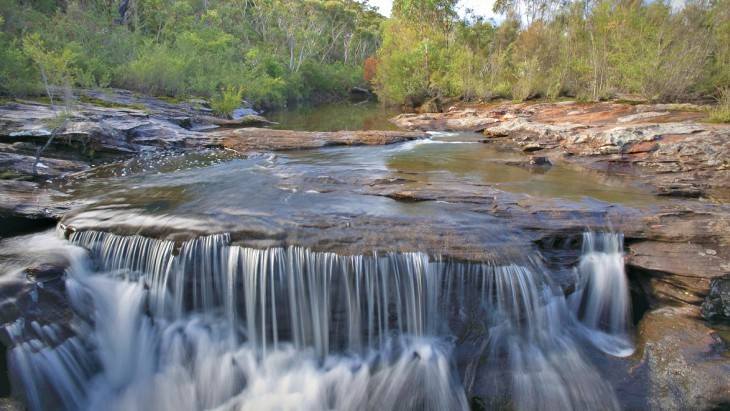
(413, 54)
(18, 76)
(275, 50)
(157, 70)
(57, 69)
(547, 48)
(281, 51)
(227, 100)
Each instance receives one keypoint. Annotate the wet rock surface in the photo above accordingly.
(678, 253)
(9, 404)
(261, 139)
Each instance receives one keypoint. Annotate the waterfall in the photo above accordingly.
(601, 300)
(209, 325)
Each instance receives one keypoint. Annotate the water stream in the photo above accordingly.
(306, 280)
(208, 325)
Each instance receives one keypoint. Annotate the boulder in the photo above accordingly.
(44, 273)
(242, 112)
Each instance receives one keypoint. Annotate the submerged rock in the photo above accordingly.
(45, 272)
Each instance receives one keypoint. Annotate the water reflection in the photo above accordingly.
(449, 159)
(343, 115)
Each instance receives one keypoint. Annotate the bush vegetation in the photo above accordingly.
(275, 51)
(284, 51)
(587, 50)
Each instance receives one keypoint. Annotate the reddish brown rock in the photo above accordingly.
(247, 139)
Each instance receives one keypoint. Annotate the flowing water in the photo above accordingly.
(250, 305)
(208, 325)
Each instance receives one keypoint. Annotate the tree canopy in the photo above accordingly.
(273, 52)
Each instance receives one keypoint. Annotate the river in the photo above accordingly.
(302, 280)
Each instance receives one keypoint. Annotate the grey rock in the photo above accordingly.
(717, 304)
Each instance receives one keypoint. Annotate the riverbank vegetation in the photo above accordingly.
(589, 50)
(275, 52)
(269, 51)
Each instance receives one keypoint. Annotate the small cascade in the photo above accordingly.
(209, 325)
(601, 301)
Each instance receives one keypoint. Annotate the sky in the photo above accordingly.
(480, 7)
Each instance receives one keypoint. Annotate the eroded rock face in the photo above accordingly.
(678, 271)
(687, 368)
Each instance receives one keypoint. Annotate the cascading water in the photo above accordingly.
(601, 300)
(209, 325)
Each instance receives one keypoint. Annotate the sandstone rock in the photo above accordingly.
(248, 139)
(250, 120)
(456, 121)
(22, 165)
(641, 116)
(680, 272)
(687, 369)
(28, 199)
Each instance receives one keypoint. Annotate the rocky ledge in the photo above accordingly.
(667, 145)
